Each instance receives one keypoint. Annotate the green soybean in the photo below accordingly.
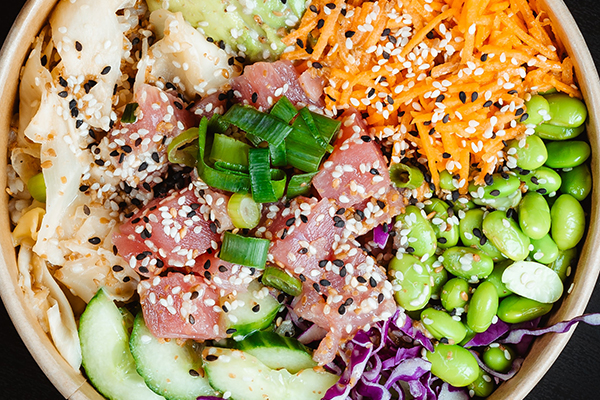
(553, 132)
(482, 307)
(467, 263)
(502, 203)
(501, 186)
(530, 152)
(471, 234)
(577, 182)
(534, 215)
(483, 386)
(498, 357)
(565, 110)
(446, 231)
(495, 278)
(543, 180)
(537, 109)
(515, 309)
(455, 294)
(505, 234)
(421, 239)
(453, 364)
(411, 281)
(567, 154)
(564, 263)
(441, 325)
(544, 250)
(447, 181)
(568, 222)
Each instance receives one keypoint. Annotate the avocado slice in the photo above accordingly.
(252, 27)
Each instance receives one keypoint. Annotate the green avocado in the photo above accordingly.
(253, 27)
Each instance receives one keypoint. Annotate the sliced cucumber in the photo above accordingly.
(105, 351)
(245, 377)
(250, 311)
(170, 369)
(277, 352)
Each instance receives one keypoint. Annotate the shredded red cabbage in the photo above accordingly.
(380, 236)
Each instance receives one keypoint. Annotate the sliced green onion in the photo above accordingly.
(228, 149)
(128, 116)
(264, 126)
(403, 176)
(217, 124)
(281, 280)
(278, 155)
(243, 211)
(37, 187)
(247, 251)
(260, 176)
(303, 151)
(230, 167)
(284, 110)
(278, 180)
(183, 149)
(312, 127)
(299, 185)
(224, 180)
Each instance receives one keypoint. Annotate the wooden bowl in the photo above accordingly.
(73, 385)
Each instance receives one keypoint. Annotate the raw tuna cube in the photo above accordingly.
(181, 306)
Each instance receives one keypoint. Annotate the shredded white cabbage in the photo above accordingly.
(184, 57)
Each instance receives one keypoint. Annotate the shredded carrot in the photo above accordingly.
(442, 81)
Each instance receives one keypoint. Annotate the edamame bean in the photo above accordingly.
(444, 226)
(544, 250)
(455, 294)
(538, 109)
(471, 234)
(495, 278)
(534, 215)
(505, 234)
(501, 186)
(453, 364)
(564, 263)
(501, 203)
(553, 132)
(515, 309)
(530, 152)
(482, 307)
(440, 277)
(441, 325)
(568, 222)
(447, 181)
(467, 263)
(411, 281)
(566, 110)
(577, 182)
(534, 281)
(543, 180)
(498, 357)
(568, 154)
(483, 386)
(420, 235)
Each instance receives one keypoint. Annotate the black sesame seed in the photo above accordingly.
(193, 372)
(117, 268)
(463, 97)
(484, 57)
(323, 263)
(380, 298)
(290, 221)
(74, 112)
(474, 96)
(338, 263)
(320, 24)
(340, 211)
(211, 357)
(256, 308)
(410, 249)
(495, 192)
(440, 98)
(222, 268)
(488, 179)
(442, 240)
(143, 166)
(313, 8)
(126, 279)
(207, 264)
(331, 6)
(62, 81)
(303, 250)
(542, 191)
(349, 34)
(381, 204)
(366, 138)
(317, 65)
(44, 60)
(349, 301)
(342, 310)
(78, 46)
(519, 112)
(284, 234)
(143, 270)
(361, 279)
(207, 275)
(95, 240)
(477, 233)
(316, 287)
(300, 43)
(372, 282)
(106, 70)
(488, 103)
(231, 331)
(359, 215)
(63, 94)
(324, 282)
(194, 295)
(482, 240)
(303, 218)
(281, 298)
(444, 340)
(343, 272)
(302, 277)
(213, 227)
(446, 118)
(340, 224)
(524, 117)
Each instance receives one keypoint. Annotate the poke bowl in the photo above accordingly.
(43, 280)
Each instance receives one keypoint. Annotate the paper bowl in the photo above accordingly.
(73, 385)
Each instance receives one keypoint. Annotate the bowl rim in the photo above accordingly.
(73, 385)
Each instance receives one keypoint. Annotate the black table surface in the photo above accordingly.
(573, 375)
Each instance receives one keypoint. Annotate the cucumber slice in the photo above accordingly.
(250, 311)
(105, 351)
(244, 377)
(169, 369)
(277, 352)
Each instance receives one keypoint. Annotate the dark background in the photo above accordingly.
(574, 375)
